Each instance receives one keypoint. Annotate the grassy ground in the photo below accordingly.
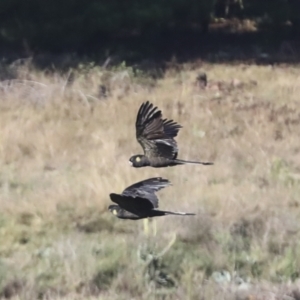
(64, 147)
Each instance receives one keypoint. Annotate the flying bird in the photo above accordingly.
(139, 201)
(156, 136)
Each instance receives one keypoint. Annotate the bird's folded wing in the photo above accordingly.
(137, 205)
(164, 148)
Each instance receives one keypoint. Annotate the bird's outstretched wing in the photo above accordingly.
(146, 189)
(156, 135)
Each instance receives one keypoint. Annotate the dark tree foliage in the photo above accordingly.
(295, 16)
(68, 24)
(64, 25)
(275, 11)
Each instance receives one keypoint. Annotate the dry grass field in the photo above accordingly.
(64, 147)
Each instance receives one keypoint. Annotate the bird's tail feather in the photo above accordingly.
(181, 161)
(165, 212)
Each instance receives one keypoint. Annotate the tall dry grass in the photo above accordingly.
(64, 148)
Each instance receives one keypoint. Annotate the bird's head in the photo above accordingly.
(138, 161)
(114, 209)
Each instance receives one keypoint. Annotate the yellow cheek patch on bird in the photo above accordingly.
(138, 159)
(115, 212)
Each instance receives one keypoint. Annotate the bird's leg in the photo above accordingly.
(146, 226)
(154, 227)
(151, 225)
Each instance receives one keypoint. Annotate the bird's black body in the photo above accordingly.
(123, 214)
(139, 201)
(156, 136)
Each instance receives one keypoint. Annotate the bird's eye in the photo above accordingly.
(115, 212)
(137, 159)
